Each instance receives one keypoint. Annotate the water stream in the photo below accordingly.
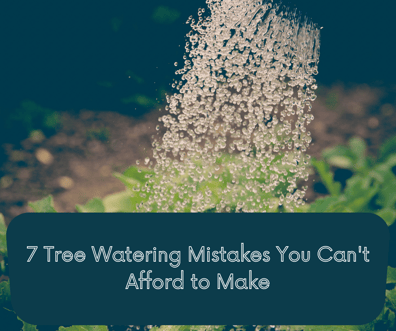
(235, 129)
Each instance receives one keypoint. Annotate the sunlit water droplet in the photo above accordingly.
(235, 133)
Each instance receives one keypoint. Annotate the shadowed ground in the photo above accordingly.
(76, 164)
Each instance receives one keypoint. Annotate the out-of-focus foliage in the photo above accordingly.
(29, 117)
(370, 189)
(141, 100)
(165, 15)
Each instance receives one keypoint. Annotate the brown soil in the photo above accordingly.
(74, 167)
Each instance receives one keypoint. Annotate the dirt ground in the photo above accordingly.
(77, 163)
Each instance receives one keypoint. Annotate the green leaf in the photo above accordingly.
(341, 162)
(127, 181)
(5, 295)
(358, 148)
(391, 296)
(387, 196)
(388, 215)
(137, 199)
(165, 15)
(302, 209)
(359, 191)
(140, 174)
(339, 156)
(132, 178)
(391, 318)
(391, 277)
(141, 100)
(93, 206)
(45, 205)
(322, 205)
(3, 238)
(27, 326)
(380, 172)
(337, 151)
(84, 328)
(52, 120)
(31, 116)
(388, 148)
(326, 175)
(119, 202)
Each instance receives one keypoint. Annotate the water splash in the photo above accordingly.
(236, 135)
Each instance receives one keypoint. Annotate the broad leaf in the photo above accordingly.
(359, 191)
(391, 296)
(322, 205)
(139, 174)
(5, 295)
(391, 277)
(342, 162)
(387, 196)
(387, 148)
(119, 202)
(336, 151)
(388, 215)
(93, 206)
(28, 327)
(45, 205)
(358, 148)
(391, 318)
(127, 181)
(326, 175)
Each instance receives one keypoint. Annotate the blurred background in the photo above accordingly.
(82, 82)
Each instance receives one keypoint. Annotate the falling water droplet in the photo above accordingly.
(237, 126)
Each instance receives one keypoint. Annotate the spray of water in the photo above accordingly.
(235, 131)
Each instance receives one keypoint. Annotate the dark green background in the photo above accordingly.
(70, 55)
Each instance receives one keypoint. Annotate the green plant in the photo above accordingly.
(139, 182)
(370, 189)
(165, 15)
(31, 116)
